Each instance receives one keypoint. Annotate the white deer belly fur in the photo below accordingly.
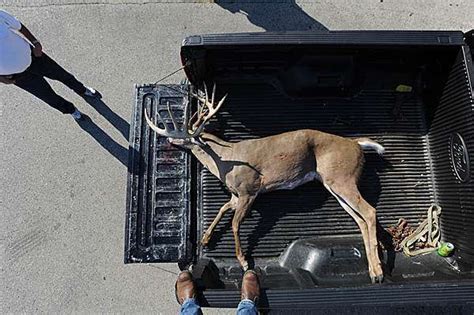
(293, 183)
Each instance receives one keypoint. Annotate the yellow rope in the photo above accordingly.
(428, 232)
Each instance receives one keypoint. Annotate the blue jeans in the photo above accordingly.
(190, 307)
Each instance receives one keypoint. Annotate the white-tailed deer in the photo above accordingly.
(285, 161)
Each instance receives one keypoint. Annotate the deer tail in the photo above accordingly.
(367, 143)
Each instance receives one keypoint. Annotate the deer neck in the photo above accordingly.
(212, 153)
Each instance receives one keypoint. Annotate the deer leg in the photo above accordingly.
(243, 204)
(229, 205)
(350, 199)
(360, 222)
(368, 214)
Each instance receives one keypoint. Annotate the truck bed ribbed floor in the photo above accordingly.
(398, 184)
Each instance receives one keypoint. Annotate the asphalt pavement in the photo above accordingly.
(63, 184)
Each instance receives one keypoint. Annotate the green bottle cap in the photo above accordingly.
(445, 249)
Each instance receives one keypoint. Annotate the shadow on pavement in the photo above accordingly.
(118, 122)
(119, 152)
(274, 17)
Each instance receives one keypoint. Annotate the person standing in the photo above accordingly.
(24, 64)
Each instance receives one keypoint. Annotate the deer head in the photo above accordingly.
(188, 134)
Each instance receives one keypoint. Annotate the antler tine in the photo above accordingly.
(186, 114)
(205, 92)
(212, 112)
(163, 121)
(177, 133)
(200, 111)
(213, 93)
(198, 121)
(164, 132)
(199, 98)
(175, 125)
(206, 109)
(216, 109)
(191, 120)
(202, 106)
(221, 102)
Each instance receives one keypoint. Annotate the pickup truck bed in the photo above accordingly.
(306, 248)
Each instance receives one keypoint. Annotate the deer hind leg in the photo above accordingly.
(369, 214)
(244, 203)
(360, 210)
(229, 205)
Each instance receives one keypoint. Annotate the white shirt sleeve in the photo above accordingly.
(9, 20)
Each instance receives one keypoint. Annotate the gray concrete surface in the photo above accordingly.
(62, 193)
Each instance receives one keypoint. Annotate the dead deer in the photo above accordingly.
(252, 167)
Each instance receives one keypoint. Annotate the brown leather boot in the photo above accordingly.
(184, 287)
(250, 286)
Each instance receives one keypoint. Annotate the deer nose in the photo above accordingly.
(171, 141)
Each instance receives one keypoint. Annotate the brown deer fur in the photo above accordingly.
(285, 161)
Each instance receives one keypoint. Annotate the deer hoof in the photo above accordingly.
(205, 240)
(377, 279)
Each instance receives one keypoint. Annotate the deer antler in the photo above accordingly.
(206, 110)
(166, 131)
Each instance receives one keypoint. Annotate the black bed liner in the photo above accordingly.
(344, 300)
(428, 135)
